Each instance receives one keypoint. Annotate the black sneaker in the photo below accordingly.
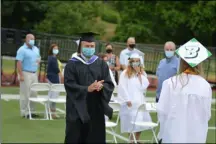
(32, 115)
(27, 116)
(35, 115)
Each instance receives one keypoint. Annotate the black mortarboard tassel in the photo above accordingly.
(88, 37)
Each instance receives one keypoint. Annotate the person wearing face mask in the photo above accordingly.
(167, 67)
(89, 89)
(133, 83)
(105, 58)
(125, 54)
(28, 60)
(53, 74)
(113, 61)
(184, 108)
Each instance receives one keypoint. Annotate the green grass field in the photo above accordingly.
(15, 90)
(19, 130)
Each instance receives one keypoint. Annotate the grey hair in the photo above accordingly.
(170, 43)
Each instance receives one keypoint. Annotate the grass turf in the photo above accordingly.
(19, 130)
(15, 90)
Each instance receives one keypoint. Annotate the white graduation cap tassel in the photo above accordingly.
(77, 41)
(193, 52)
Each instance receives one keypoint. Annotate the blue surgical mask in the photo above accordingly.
(88, 52)
(32, 42)
(169, 54)
(135, 64)
(55, 51)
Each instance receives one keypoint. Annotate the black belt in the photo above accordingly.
(30, 71)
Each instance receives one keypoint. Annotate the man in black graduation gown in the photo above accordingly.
(89, 88)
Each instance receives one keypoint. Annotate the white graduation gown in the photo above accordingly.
(132, 90)
(184, 112)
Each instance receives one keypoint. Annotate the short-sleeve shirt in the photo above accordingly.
(167, 68)
(29, 57)
(126, 53)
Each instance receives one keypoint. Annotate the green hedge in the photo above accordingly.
(110, 16)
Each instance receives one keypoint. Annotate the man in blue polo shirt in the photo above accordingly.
(167, 67)
(28, 59)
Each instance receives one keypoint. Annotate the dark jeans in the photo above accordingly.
(157, 99)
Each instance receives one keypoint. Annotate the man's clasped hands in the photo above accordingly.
(97, 85)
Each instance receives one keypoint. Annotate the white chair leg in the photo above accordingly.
(155, 130)
(114, 137)
(134, 138)
(154, 135)
(29, 111)
(50, 113)
(46, 110)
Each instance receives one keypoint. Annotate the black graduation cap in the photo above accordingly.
(88, 37)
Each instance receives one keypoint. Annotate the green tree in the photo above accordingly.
(69, 17)
(157, 22)
(22, 14)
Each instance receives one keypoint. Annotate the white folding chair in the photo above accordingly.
(60, 99)
(39, 87)
(115, 92)
(147, 107)
(114, 97)
(110, 125)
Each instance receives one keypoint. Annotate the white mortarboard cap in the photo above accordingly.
(193, 52)
(135, 55)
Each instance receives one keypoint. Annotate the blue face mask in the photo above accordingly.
(55, 51)
(169, 54)
(32, 42)
(135, 64)
(88, 52)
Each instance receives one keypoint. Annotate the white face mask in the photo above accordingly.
(169, 54)
(135, 64)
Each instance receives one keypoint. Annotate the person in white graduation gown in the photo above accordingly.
(133, 83)
(184, 108)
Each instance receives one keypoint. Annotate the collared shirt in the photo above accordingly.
(167, 68)
(126, 53)
(29, 57)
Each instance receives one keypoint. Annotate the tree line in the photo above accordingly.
(148, 21)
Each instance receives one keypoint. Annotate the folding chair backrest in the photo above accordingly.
(115, 92)
(116, 107)
(147, 107)
(150, 106)
(40, 87)
(57, 88)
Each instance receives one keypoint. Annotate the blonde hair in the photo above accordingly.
(130, 70)
(198, 70)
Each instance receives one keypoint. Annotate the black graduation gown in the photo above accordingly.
(85, 111)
